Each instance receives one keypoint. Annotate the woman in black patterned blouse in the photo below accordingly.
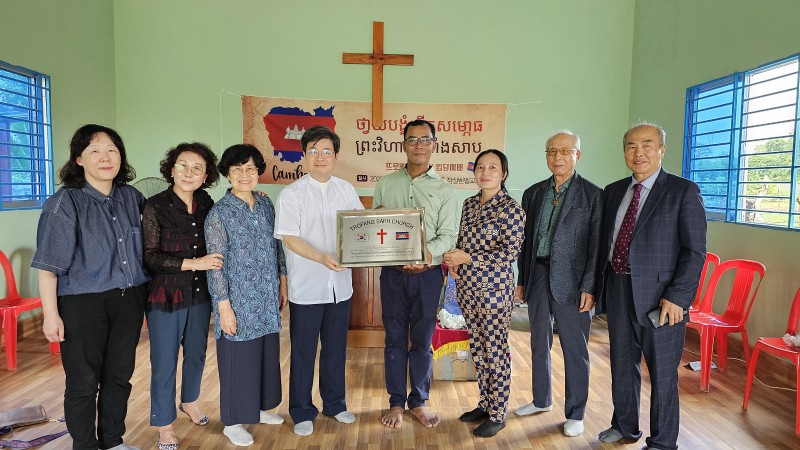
(179, 306)
(489, 240)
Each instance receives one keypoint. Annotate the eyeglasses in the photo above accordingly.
(196, 170)
(563, 151)
(325, 152)
(237, 170)
(424, 141)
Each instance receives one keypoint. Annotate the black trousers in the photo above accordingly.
(409, 303)
(326, 323)
(101, 331)
(249, 378)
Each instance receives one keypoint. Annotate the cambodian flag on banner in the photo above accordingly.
(401, 236)
(287, 125)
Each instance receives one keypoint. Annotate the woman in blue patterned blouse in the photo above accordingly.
(489, 241)
(247, 294)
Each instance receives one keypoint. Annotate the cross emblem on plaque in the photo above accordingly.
(381, 234)
(377, 59)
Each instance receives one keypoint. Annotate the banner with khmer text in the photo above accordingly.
(369, 151)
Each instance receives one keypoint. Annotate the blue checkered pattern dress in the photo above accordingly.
(492, 234)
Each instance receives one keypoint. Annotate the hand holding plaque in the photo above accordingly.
(381, 237)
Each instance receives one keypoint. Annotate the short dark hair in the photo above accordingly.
(72, 174)
(417, 123)
(201, 150)
(318, 133)
(239, 154)
(503, 163)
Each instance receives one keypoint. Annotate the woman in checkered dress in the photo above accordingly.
(489, 240)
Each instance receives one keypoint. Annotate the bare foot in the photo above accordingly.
(393, 418)
(425, 417)
(166, 435)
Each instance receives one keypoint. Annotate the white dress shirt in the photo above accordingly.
(307, 209)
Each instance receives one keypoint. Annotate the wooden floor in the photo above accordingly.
(712, 420)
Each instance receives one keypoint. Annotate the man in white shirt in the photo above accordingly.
(319, 289)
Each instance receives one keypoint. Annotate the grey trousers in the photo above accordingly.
(573, 332)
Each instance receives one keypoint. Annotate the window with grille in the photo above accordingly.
(26, 161)
(741, 145)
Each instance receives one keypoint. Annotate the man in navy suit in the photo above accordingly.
(558, 274)
(652, 252)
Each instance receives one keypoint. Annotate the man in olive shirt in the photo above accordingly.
(410, 294)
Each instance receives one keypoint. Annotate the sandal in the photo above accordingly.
(201, 422)
(163, 446)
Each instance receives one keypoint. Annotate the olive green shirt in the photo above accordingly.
(550, 215)
(428, 191)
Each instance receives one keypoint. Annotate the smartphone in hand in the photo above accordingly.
(655, 314)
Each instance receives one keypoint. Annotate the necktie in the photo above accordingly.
(619, 259)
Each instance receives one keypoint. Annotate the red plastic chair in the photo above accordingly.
(733, 320)
(10, 308)
(711, 260)
(777, 347)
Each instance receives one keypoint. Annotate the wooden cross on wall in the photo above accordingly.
(377, 59)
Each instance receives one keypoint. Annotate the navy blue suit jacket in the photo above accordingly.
(668, 246)
(574, 250)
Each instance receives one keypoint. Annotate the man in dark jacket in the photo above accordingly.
(652, 252)
(557, 275)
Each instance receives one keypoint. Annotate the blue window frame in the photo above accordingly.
(741, 145)
(26, 158)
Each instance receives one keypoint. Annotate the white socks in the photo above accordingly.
(345, 417)
(270, 419)
(573, 428)
(530, 408)
(609, 435)
(238, 435)
(304, 428)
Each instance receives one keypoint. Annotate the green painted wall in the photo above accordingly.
(179, 61)
(165, 72)
(157, 70)
(678, 44)
(73, 42)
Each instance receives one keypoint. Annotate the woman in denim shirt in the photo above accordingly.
(92, 284)
(247, 294)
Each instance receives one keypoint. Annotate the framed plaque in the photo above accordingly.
(380, 237)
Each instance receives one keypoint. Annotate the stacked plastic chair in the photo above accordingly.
(11, 306)
(747, 278)
(777, 347)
